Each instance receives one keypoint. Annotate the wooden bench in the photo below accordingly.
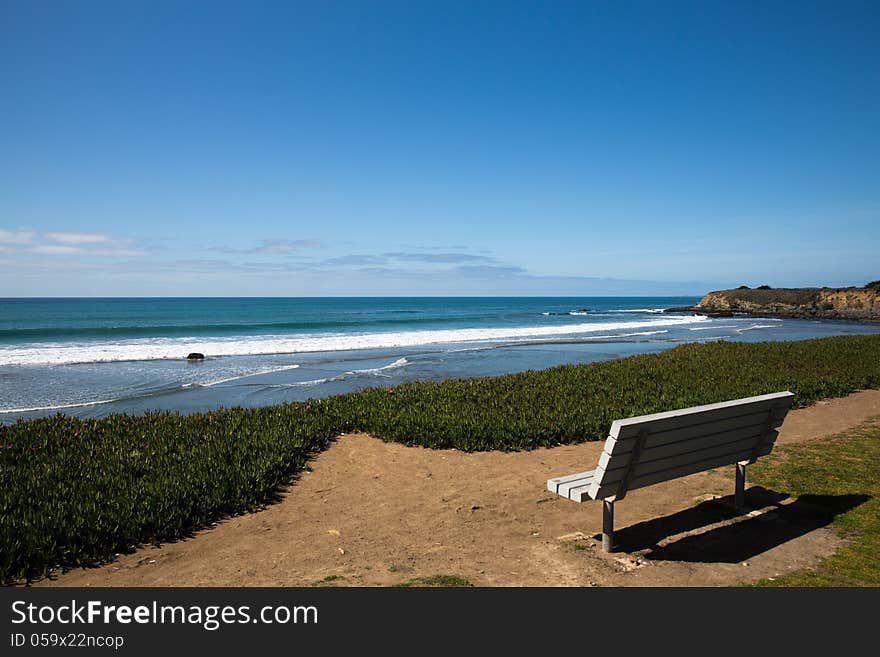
(649, 449)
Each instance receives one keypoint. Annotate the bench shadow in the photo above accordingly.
(737, 541)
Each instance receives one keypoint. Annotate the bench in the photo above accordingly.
(649, 449)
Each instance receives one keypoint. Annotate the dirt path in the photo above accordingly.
(375, 513)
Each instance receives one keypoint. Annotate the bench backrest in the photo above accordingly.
(648, 449)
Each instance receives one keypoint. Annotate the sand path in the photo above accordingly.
(376, 513)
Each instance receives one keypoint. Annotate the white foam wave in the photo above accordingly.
(55, 407)
(755, 327)
(709, 328)
(528, 341)
(268, 370)
(299, 384)
(623, 335)
(177, 348)
(400, 362)
(375, 371)
(462, 349)
(635, 310)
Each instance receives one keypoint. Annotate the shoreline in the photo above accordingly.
(859, 304)
(698, 310)
(134, 387)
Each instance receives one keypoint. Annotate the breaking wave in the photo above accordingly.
(177, 348)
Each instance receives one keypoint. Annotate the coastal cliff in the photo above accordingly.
(854, 303)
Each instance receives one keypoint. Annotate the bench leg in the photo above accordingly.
(607, 526)
(740, 490)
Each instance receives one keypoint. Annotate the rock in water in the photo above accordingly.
(195, 356)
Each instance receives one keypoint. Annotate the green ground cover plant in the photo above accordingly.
(435, 581)
(75, 492)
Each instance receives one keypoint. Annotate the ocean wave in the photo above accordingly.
(175, 330)
(567, 313)
(755, 327)
(400, 362)
(243, 375)
(56, 407)
(635, 310)
(375, 371)
(177, 348)
(527, 342)
(301, 384)
(615, 336)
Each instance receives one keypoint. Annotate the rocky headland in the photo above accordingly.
(861, 304)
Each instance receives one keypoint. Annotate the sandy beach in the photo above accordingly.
(371, 513)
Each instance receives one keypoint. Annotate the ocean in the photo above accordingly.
(93, 357)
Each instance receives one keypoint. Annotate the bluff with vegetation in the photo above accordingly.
(853, 303)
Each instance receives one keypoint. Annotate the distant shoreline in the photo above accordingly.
(853, 304)
(93, 359)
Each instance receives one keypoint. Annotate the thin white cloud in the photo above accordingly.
(440, 258)
(286, 246)
(78, 238)
(272, 247)
(69, 243)
(55, 249)
(117, 253)
(17, 236)
(354, 260)
(67, 249)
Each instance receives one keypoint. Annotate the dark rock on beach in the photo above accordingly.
(195, 356)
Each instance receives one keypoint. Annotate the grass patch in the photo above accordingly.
(330, 580)
(846, 464)
(435, 581)
(74, 492)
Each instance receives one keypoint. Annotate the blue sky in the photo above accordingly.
(462, 148)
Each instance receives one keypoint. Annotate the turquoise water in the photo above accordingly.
(91, 357)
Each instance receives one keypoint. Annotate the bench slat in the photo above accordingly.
(602, 491)
(697, 456)
(660, 422)
(652, 453)
(657, 439)
(580, 494)
(553, 484)
(566, 488)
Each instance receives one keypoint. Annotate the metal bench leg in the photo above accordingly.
(740, 490)
(607, 526)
